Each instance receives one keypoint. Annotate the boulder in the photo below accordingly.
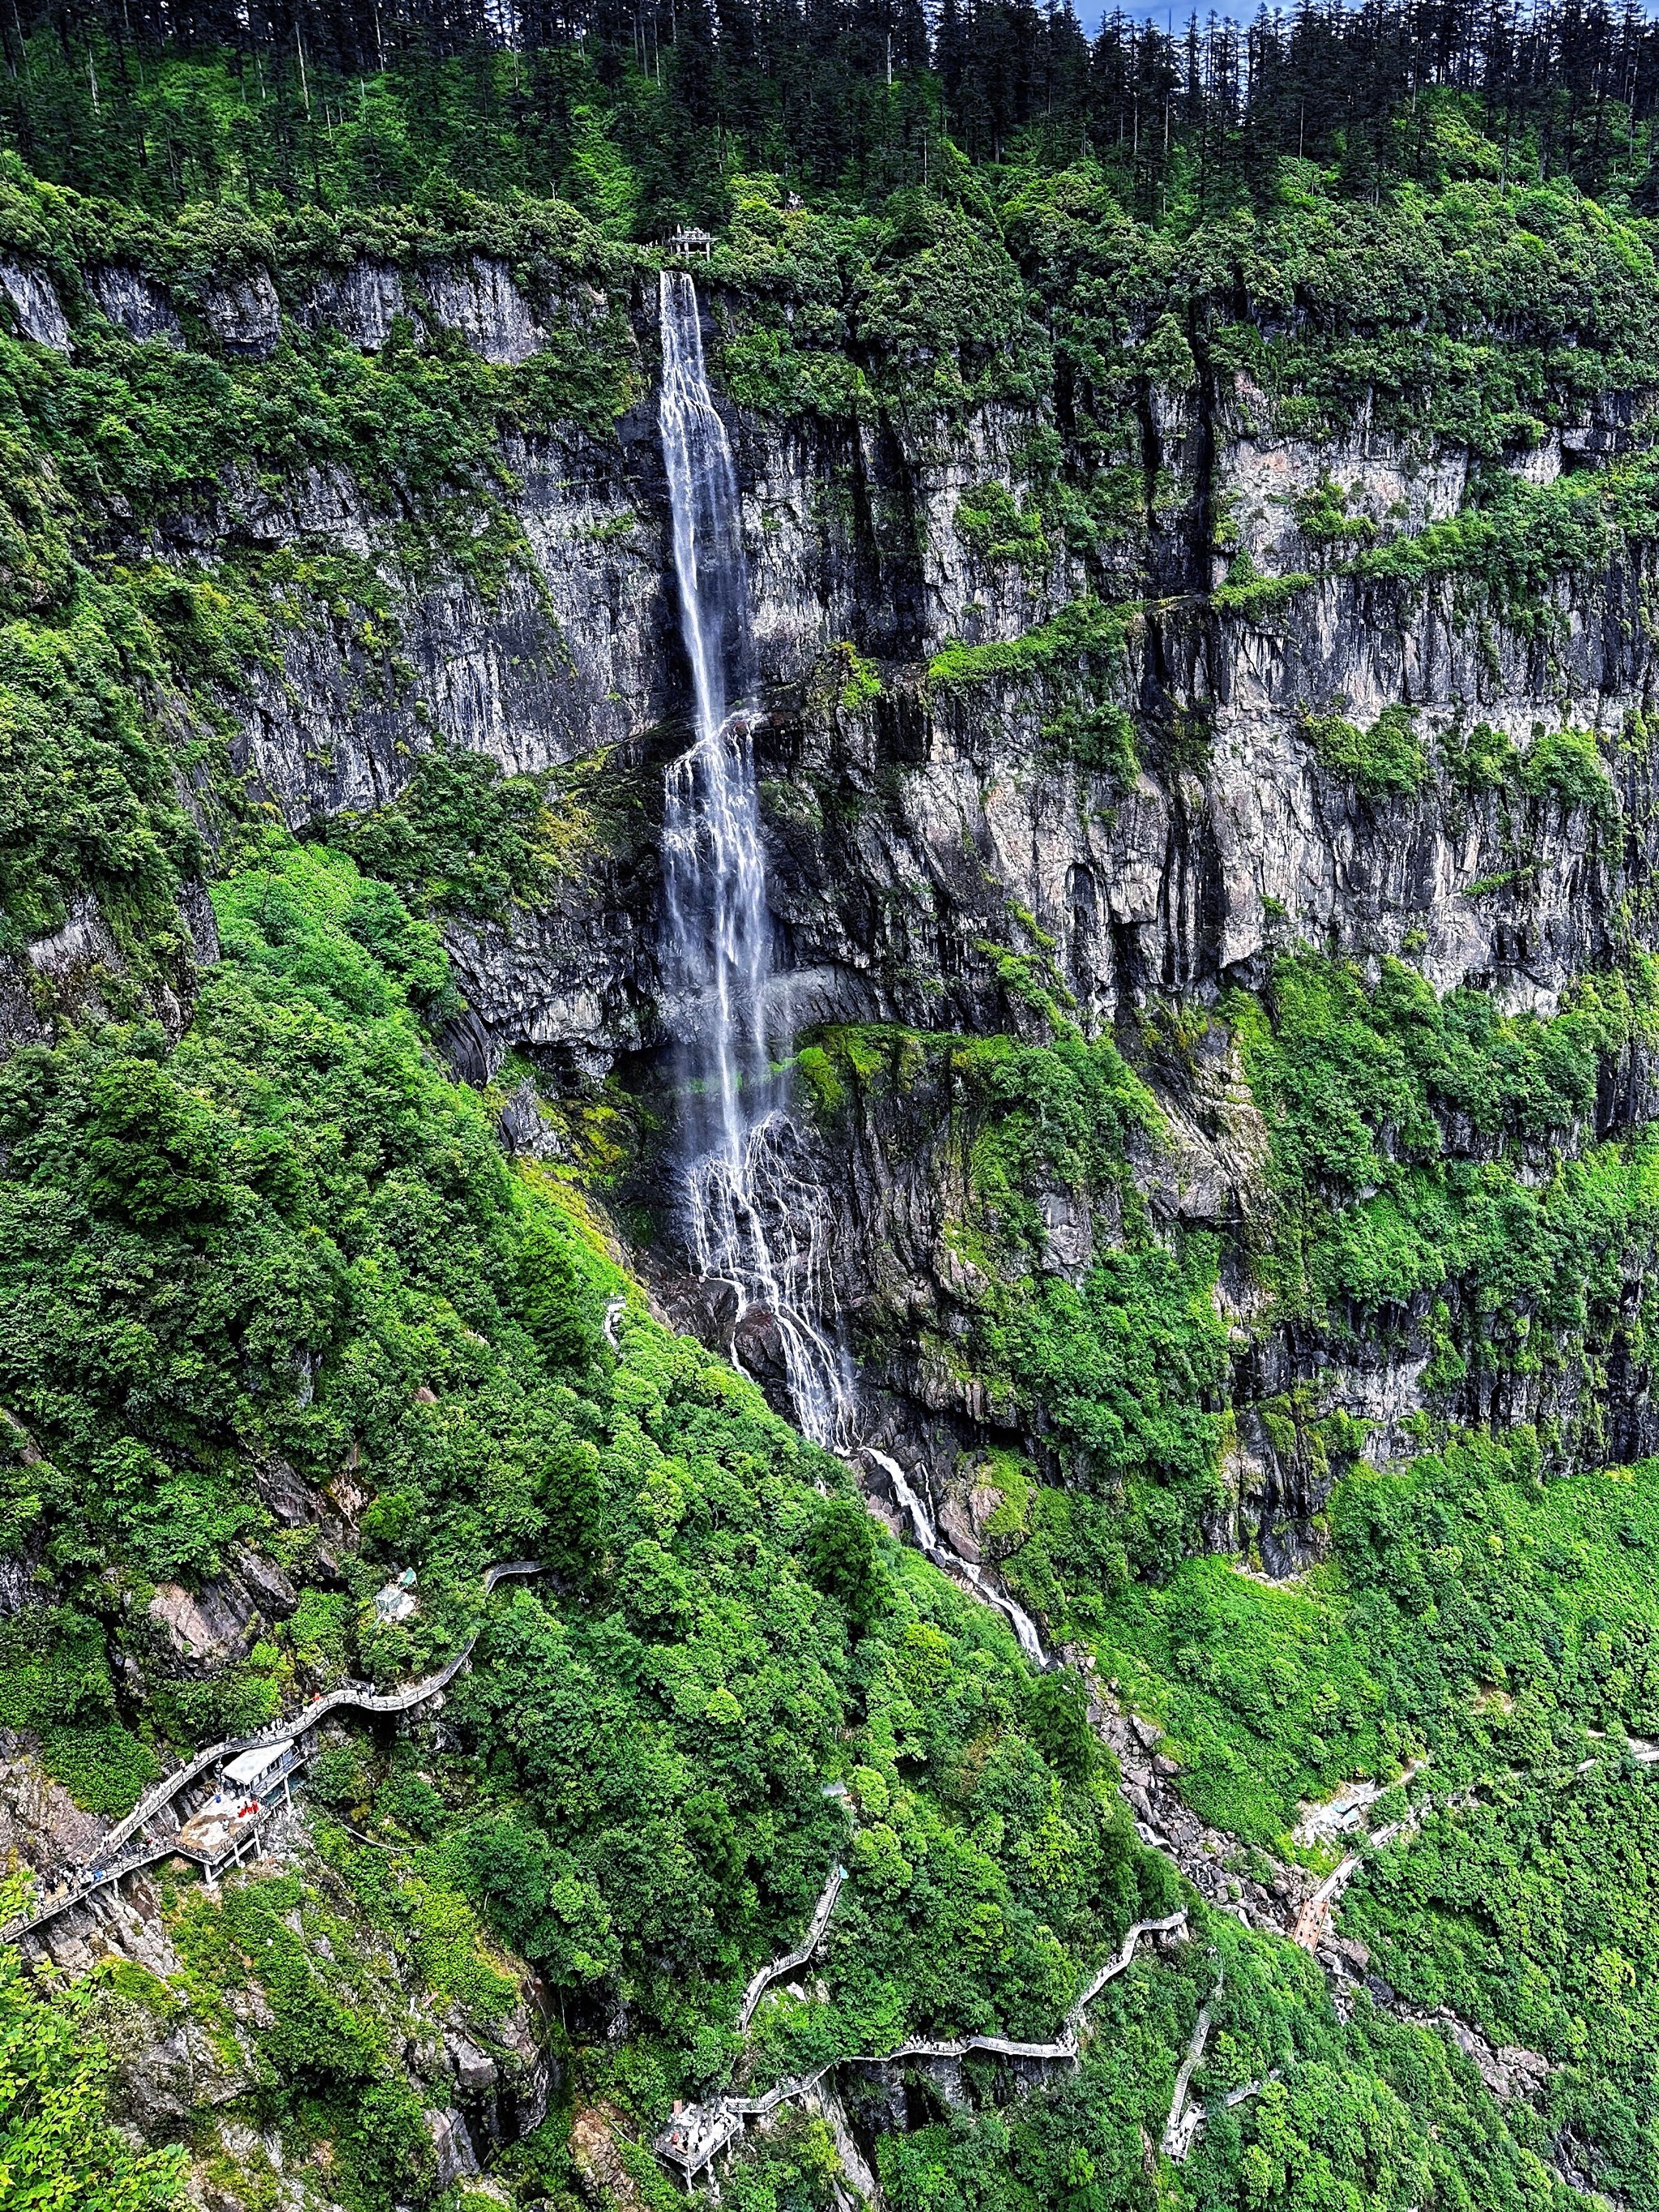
(207, 1628)
(456, 2157)
(956, 1526)
(265, 1581)
(476, 2072)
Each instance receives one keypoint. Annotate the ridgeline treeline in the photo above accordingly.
(356, 101)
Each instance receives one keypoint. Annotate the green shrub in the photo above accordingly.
(1387, 761)
(1477, 760)
(105, 1769)
(1257, 597)
(862, 681)
(1322, 517)
(1100, 739)
(1086, 630)
(57, 2143)
(463, 838)
(999, 531)
(817, 1071)
(1567, 765)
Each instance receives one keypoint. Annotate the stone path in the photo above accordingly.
(1291, 1901)
(775, 1969)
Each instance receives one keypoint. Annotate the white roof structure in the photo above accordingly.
(247, 1765)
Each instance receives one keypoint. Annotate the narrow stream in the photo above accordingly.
(951, 1561)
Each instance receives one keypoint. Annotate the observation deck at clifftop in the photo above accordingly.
(682, 245)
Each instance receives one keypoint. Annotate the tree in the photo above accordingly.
(842, 1561)
(1057, 1721)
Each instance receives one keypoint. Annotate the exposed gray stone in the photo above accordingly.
(34, 302)
(453, 2145)
(213, 1625)
(39, 1819)
(265, 1582)
(478, 298)
(136, 305)
(475, 2071)
(361, 301)
(955, 1527)
(525, 1129)
(246, 315)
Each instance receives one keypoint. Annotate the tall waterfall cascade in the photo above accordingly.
(756, 1215)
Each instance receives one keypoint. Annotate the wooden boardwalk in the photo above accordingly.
(696, 2135)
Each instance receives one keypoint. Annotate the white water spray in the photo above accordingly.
(951, 1562)
(756, 1215)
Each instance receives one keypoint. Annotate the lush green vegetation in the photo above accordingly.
(1504, 1628)
(462, 838)
(632, 1791)
(1471, 1613)
(1403, 1130)
(1085, 632)
(323, 1259)
(332, 1966)
(1387, 761)
(1121, 1356)
(1369, 2114)
(57, 2148)
(1495, 1626)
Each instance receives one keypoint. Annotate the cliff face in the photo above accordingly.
(966, 769)
(1209, 864)
(947, 804)
(191, 2042)
(927, 816)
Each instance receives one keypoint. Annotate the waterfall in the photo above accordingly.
(951, 1561)
(756, 1216)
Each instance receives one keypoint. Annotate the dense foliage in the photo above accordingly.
(58, 2146)
(632, 1794)
(1360, 2114)
(647, 106)
(290, 1241)
(1497, 1631)
(1120, 1356)
(1405, 1131)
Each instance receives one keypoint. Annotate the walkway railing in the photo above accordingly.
(101, 1869)
(696, 2136)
